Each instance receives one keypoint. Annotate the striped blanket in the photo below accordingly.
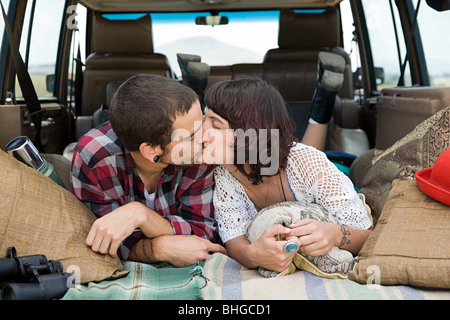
(221, 278)
(146, 282)
(231, 281)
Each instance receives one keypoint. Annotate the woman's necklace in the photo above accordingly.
(280, 188)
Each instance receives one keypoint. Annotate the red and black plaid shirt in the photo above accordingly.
(104, 177)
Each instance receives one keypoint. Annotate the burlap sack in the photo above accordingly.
(37, 216)
(410, 244)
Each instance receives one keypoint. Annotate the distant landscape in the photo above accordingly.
(212, 51)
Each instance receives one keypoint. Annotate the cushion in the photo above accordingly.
(37, 216)
(417, 150)
(410, 244)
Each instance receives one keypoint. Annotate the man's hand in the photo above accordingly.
(108, 232)
(183, 250)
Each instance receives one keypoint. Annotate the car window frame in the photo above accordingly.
(16, 15)
(416, 56)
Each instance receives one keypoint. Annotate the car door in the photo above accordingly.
(41, 32)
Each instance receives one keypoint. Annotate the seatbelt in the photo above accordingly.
(397, 42)
(401, 80)
(26, 84)
(79, 78)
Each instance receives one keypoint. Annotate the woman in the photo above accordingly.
(235, 110)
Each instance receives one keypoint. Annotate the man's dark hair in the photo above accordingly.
(144, 108)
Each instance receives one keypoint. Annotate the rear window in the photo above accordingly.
(434, 29)
(39, 43)
(433, 26)
(245, 39)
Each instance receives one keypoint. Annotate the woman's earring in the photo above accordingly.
(156, 159)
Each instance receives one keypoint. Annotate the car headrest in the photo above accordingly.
(122, 36)
(309, 30)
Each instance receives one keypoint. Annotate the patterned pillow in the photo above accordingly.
(334, 264)
(410, 244)
(37, 216)
(417, 150)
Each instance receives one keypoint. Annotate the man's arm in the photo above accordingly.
(192, 221)
(101, 187)
(108, 232)
(179, 250)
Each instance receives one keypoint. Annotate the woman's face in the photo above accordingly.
(218, 140)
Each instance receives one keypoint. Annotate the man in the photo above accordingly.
(149, 210)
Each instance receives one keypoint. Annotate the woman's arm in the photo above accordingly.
(316, 179)
(317, 238)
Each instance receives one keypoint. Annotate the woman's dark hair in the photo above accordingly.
(252, 103)
(145, 107)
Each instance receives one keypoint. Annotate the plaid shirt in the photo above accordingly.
(104, 178)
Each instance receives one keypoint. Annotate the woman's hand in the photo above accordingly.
(266, 252)
(316, 237)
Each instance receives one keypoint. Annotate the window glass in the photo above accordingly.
(3, 54)
(2, 23)
(434, 30)
(350, 46)
(386, 58)
(245, 39)
(44, 35)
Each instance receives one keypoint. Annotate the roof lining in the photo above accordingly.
(192, 5)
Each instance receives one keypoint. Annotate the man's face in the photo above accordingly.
(186, 143)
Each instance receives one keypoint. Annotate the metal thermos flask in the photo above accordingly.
(24, 150)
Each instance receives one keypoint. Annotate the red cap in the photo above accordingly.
(435, 181)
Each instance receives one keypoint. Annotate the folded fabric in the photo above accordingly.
(159, 281)
(334, 264)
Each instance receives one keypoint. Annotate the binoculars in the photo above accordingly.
(32, 277)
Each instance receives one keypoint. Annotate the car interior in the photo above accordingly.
(374, 116)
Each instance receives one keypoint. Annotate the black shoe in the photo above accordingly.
(330, 77)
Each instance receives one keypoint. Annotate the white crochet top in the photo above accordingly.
(312, 178)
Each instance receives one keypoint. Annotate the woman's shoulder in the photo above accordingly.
(221, 172)
(302, 152)
(224, 177)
